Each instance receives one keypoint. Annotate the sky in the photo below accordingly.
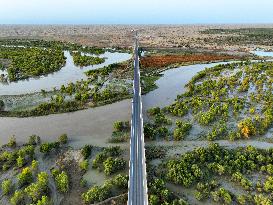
(135, 12)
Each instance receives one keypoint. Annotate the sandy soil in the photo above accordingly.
(182, 147)
(183, 36)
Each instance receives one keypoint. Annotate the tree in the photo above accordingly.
(84, 165)
(33, 140)
(96, 194)
(247, 127)
(86, 151)
(154, 111)
(17, 198)
(118, 126)
(112, 165)
(43, 92)
(34, 165)
(59, 99)
(268, 184)
(2, 105)
(25, 177)
(121, 181)
(12, 142)
(260, 199)
(63, 139)
(62, 182)
(36, 190)
(154, 200)
(182, 130)
(44, 201)
(47, 147)
(20, 161)
(6, 186)
(241, 199)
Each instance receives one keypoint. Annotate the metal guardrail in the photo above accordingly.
(138, 192)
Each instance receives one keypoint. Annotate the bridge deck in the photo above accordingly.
(137, 177)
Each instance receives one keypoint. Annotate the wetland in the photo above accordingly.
(208, 126)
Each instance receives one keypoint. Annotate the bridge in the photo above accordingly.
(137, 194)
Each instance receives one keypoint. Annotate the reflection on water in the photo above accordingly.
(69, 73)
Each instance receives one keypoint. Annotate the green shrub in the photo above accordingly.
(100, 193)
(6, 186)
(12, 142)
(55, 172)
(34, 140)
(44, 201)
(182, 130)
(261, 199)
(112, 165)
(84, 165)
(17, 198)
(36, 190)
(25, 177)
(119, 137)
(154, 200)
(118, 126)
(62, 182)
(34, 165)
(63, 139)
(20, 161)
(268, 184)
(86, 151)
(154, 111)
(121, 181)
(83, 60)
(107, 152)
(2, 105)
(96, 194)
(47, 147)
(83, 182)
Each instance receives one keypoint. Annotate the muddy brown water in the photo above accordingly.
(95, 125)
(85, 126)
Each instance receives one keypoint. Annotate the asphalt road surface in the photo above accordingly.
(137, 179)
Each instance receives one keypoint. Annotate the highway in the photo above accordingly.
(137, 194)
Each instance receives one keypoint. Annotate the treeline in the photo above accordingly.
(44, 109)
(106, 70)
(242, 36)
(159, 194)
(110, 188)
(52, 45)
(29, 62)
(84, 60)
(213, 97)
(27, 184)
(94, 91)
(199, 167)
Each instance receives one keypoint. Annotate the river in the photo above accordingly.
(94, 125)
(69, 73)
